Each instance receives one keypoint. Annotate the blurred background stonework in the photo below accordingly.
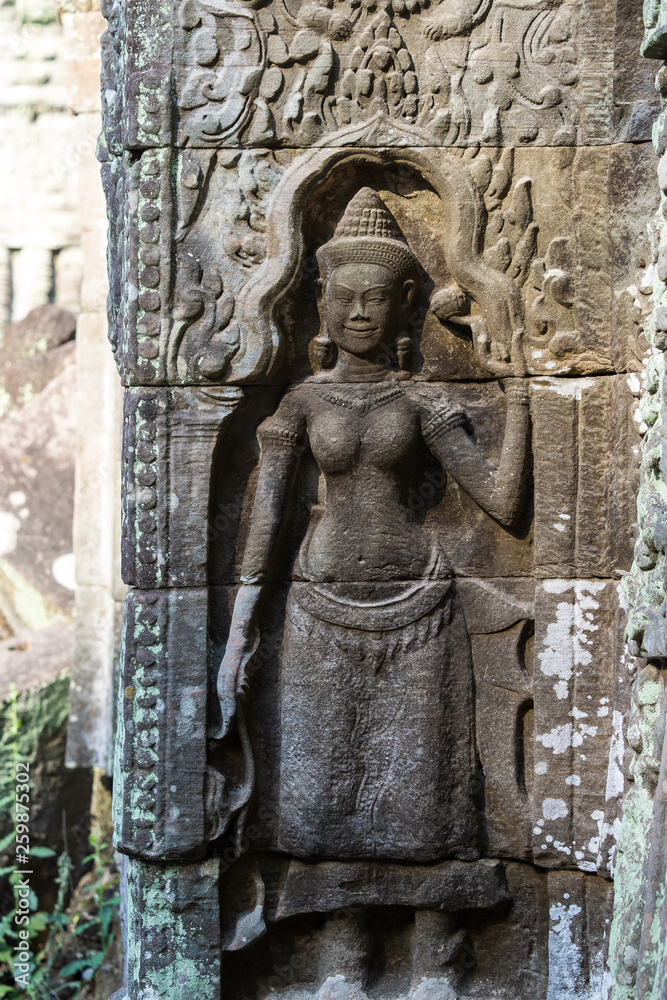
(59, 400)
(60, 594)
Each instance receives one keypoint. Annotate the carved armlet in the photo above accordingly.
(518, 392)
(441, 422)
(283, 437)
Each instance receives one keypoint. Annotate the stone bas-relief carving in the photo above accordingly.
(373, 593)
(211, 317)
(268, 74)
(373, 693)
(491, 82)
(297, 73)
(414, 786)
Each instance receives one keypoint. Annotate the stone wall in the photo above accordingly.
(495, 159)
(637, 953)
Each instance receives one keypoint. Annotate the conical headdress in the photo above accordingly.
(368, 234)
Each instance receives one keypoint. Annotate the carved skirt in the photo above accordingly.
(378, 755)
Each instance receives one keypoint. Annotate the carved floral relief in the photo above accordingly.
(464, 72)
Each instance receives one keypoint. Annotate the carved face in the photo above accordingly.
(363, 304)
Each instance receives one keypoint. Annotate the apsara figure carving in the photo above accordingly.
(378, 755)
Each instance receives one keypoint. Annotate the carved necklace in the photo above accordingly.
(361, 397)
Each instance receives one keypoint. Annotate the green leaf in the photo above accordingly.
(72, 968)
(6, 871)
(42, 852)
(80, 928)
(37, 923)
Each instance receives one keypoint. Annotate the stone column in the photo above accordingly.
(638, 948)
(99, 591)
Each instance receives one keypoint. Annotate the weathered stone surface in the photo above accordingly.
(449, 886)
(365, 238)
(637, 953)
(300, 953)
(169, 434)
(579, 716)
(580, 916)
(173, 930)
(500, 618)
(160, 761)
(586, 476)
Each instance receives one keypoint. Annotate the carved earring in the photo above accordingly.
(324, 349)
(404, 353)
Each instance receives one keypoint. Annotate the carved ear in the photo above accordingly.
(409, 292)
(320, 287)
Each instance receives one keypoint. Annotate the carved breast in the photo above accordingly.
(343, 437)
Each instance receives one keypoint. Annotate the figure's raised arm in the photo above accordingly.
(499, 489)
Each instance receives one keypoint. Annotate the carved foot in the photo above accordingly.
(336, 988)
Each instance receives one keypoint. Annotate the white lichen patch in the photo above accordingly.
(565, 954)
(561, 738)
(573, 388)
(563, 848)
(567, 639)
(554, 809)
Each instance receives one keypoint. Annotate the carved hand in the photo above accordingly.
(451, 305)
(494, 356)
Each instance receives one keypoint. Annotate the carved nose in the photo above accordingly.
(358, 310)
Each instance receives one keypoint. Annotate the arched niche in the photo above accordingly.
(263, 338)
